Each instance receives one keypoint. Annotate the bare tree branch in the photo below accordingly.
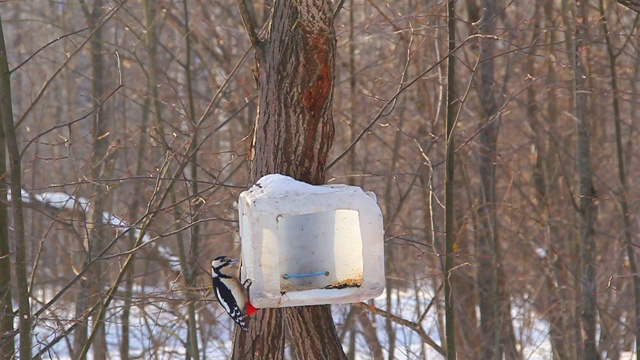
(631, 4)
(48, 82)
(410, 324)
(249, 24)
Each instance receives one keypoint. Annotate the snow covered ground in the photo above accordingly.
(157, 330)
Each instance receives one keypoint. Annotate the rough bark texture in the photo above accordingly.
(265, 338)
(292, 136)
(313, 334)
(294, 130)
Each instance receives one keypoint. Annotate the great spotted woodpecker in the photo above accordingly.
(231, 294)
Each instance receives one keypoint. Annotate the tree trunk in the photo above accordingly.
(15, 174)
(622, 176)
(558, 288)
(587, 208)
(7, 345)
(101, 164)
(296, 70)
(292, 136)
(192, 178)
(6, 306)
(494, 303)
(452, 111)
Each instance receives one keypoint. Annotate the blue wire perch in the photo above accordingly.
(317, 273)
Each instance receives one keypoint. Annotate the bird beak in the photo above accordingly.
(232, 261)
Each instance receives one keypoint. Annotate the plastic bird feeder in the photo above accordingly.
(310, 245)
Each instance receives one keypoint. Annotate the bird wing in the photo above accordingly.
(234, 310)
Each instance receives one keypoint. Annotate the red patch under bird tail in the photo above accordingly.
(250, 309)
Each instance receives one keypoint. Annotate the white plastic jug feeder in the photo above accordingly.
(310, 245)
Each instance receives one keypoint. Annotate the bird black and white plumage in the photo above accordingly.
(231, 294)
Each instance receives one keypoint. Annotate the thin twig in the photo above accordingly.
(381, 113)
(46, 46)
(48, 82)
(410, 324)
(55, 127)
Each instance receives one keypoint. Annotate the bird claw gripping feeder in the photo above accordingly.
(310, 245)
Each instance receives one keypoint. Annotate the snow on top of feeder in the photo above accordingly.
(276, 185)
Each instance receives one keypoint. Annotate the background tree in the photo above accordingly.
(10, 140)
(102, 163)
(6, 303)
(631, 4)
(587, 198)
(622, 175)
(495, 321)
(449, 242)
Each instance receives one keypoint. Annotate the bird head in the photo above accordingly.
(220, 262)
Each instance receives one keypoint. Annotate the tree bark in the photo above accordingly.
(486, 248)
(495, 314)
(452, 111)
(7, 349)
(100, 161)
(313, 334)
(631, 4)
(15, 177)
(587, 208)
(296, 70)
(561, 319)
(6, 306)
(622, 177)
(190, 271)
(292, 136)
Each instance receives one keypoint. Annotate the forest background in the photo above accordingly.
(132, 128)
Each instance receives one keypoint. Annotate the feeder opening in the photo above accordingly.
(315, 253)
